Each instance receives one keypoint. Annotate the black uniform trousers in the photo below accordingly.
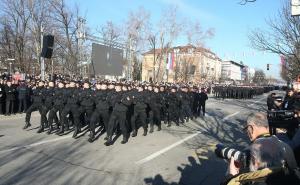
(52, 117)
(185, 112)
(1, 107)
(71, 110)
(9, 108)
(139, 114)
(117, 118)
(32, 108)
(173, 113)
(87, 112)
(155, 117)
(98, 116)
(202, 107)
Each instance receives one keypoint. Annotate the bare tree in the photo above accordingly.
(196, 35)
(110, 33)
(169, 28)
(136, 29)
(66, 28)
(16, 20)
(281, 38)
(259, 77)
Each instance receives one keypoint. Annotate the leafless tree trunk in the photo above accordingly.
(66, 26)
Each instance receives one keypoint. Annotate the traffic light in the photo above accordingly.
(268, 67)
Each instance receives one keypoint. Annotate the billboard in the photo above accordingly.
(106, 60)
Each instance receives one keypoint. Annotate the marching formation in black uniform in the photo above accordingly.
(116, 108)
(240, 92)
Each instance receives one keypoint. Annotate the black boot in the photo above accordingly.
(109, 141)
(76, 131)
(159, 128)
(46, 124)
(169, 124)
(151, 128)
(67, 127)
(92, 137)
(145, 132)
(41, 129)
(134, 133)
(62, 130)
(50, 129)
(27, 124)
(125, 140)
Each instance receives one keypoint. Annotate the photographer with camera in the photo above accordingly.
(270, 161)
(288, 118)
(272, 102)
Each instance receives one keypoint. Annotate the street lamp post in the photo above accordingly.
(10, 67)
(10, 63)
(42, 58)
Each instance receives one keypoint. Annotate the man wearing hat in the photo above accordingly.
(173, 106)
(72, 109)
(58, 106)
(120, 102)
(101, 113)
(38, 100)
(203, 98)
(86, 101)
(140, 106)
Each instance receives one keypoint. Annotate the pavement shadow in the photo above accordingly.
(197, 171)
(36, 166)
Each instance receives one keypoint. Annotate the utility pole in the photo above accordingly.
(129, 60)
(81, 35)
(42, 58)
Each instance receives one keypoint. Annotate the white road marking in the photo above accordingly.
(36, 144)
(164, 150)
(231, 115)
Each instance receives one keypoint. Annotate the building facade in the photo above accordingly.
(232, 71)
(181, 64)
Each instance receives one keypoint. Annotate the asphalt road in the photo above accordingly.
(176, 155)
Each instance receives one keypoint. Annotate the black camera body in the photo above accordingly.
(241, 157)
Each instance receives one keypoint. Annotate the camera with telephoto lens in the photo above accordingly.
(241, 157)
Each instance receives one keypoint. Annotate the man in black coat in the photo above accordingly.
(101, 112)
(154, 101)
(72, 109)
(203, 98)
(59, 101)
(121, 101)
(10, 92)
(173, 103)
(37, 104)
(2, 96)
(139, 101)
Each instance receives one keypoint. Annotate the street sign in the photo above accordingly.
(295, 5)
